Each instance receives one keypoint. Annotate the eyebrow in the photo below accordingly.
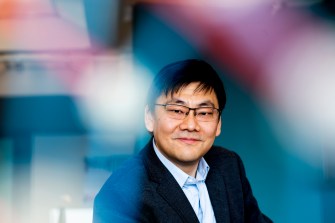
(205, 103)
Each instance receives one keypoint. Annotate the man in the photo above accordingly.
(179, 176)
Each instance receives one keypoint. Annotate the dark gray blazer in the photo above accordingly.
(143, 190)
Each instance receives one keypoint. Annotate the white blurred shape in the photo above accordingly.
(71, 215)
(301, 78)
(79, 215)
(113, 94)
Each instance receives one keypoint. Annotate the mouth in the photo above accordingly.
(188, 140)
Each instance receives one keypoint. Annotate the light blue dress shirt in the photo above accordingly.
(194, 188)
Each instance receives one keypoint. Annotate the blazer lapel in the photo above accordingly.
(218, 196)
(175, 197)
(168, 188)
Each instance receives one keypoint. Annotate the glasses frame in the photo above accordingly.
(190, 109)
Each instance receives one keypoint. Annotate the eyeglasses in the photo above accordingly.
(202, 114)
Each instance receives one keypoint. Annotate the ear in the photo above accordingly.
(148, 119)
(218, 128)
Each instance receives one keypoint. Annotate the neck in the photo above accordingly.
(189, 168)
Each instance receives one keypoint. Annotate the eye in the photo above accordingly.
(205, 112)
(176, 109)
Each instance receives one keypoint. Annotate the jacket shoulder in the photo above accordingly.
(118, 199)
(218, 152)
(126, 174)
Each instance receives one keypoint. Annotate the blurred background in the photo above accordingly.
(74, 75)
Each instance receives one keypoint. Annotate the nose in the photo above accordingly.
(190, 123)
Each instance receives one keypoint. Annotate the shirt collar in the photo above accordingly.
(180, 176)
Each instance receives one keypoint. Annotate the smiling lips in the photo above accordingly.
(188, 140)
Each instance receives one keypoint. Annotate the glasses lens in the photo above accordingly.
(176, 111)
(206, 114)
(203, 114)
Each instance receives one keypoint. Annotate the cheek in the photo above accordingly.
(163, 125)
(211, 132)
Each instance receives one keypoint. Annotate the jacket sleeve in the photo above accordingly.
(109, 208)
(118, 199)
(252, 213)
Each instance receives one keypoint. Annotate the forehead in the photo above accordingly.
(191, 93)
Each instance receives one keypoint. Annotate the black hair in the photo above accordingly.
(175, 76)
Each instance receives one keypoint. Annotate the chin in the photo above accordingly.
(189, 159)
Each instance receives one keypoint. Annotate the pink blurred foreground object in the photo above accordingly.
(34, 25)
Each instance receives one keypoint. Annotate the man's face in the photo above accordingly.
(185, 141)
